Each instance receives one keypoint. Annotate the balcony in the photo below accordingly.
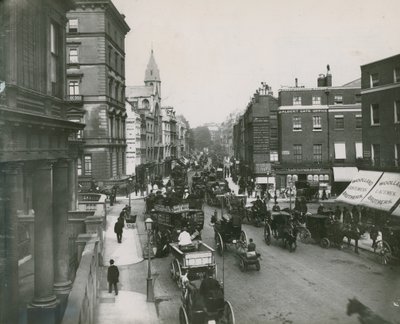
(77, 99)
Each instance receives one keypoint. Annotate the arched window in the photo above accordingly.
(310, 177)
(316, 177)
(321, 177)
(295, 178)
(326, 177)
(145, 104)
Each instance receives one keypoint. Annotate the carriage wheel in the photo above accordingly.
(384, 252)
(172, 270)
(258, 267)
(267, 234)
(242, 265)
(325, 243)
(292, 247)
(228, 317)
(243, 237)
(183, 318)
(220, 244)
(178, 273)
(304, 235)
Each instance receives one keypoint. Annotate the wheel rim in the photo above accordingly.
(220, 245)
(243, 237)
(325, 243)
(228, 316)
(183, 319)
(384, 251)
(172, 270)
(178, 274)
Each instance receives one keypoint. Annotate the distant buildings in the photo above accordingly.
(159, 128)
(96, 87)
(380, 82)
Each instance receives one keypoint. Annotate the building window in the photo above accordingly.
(338, 100)
(298, 153)
(116, 62)
(358, 121)
(273, 156)
(317, 153)
(357, 97)
(73, 87)
(359, 150)
(317, 123)
(109, 55)
(316, 100)
(396, 154)
(339, 122)
(397, 111)
(396, 72)
(55, 59)
(374, 114)
(340, 151)
(376, 154)
(73, 55)
(296, 123)
(296, 101)
(374, 80)
(73, 25)
(88, 164)
(110, 88)
(79, 166)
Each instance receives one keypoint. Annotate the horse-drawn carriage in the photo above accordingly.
(325, 230)
(197, 308)
(192, 261)
(169, 221)
(279, 225)
(228, 232)
(236, 204)
(388, 247)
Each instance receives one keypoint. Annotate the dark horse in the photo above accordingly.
(353, 232)
(366, 315)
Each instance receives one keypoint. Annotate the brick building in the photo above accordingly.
(37, 160)
(320, 129)
(256, 137)
(96, 82)
(380, 82)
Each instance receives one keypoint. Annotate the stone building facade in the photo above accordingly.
(96, 83)
(38, 154)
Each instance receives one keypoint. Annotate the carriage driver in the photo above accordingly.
(184, 238)
(210, 287)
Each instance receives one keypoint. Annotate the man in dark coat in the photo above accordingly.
(119, 225)
(113, 277)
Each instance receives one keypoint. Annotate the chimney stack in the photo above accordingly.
(296, 82)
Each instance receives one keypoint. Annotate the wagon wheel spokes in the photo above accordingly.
(172, 270)
(228, 317)
(243, 237)
(267, 234)
(384, 251)
(304, 235)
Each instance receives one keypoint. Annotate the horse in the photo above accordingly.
(352, 232)
(366, 315)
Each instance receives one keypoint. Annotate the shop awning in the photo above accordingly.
(344, 174)
(359, 187)
(396, 212)
(265, 180)
(385, 194)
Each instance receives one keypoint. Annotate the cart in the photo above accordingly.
(192, 261)
(325, 231)
(279, 225)
(388, 248)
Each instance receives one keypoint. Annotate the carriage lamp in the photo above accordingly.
(148, 223)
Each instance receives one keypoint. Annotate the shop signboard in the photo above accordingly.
(385, 194)
(359, 187)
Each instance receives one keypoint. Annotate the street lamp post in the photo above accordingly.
(129, 192)
(150, 291)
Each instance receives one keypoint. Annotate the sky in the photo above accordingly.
(214, 54)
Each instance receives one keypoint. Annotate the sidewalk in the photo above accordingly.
(130, 305)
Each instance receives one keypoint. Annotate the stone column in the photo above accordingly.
(72, 185)
(11, 199)
(61, 197)
(44, 306)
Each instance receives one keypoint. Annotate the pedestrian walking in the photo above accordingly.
(119, 225)
(356, 215)
(113, 277)
(338, 213)
(346, 216)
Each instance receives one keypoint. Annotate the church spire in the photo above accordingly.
(152, 73)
